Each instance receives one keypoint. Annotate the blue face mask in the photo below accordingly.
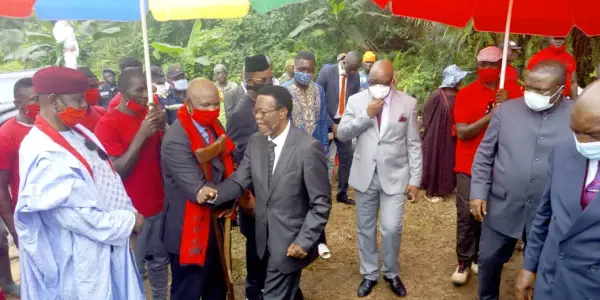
(303, 78)
(590, 150)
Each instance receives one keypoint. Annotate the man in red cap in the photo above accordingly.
(12, 134)
(557, 50)
(92, 96)
(132, 134)
(73, 215)
(472, 114)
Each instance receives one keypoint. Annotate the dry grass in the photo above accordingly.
(427, 259)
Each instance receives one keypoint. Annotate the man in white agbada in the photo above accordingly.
(73, 217)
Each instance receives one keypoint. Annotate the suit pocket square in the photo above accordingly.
(402, 119)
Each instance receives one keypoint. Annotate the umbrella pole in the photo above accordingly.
(506, 40)
(146, 51)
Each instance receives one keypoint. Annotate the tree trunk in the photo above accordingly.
(582, 51)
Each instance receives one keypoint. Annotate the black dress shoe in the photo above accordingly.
(397, 286)
(344, 199)
(365, 288)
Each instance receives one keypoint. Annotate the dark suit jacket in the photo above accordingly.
(182, 178)
(296, 207)
(241, 126)
(231, 98)
(329, 79)
(563, 246)
(510, 169)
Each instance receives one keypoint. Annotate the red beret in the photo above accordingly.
(59, 81)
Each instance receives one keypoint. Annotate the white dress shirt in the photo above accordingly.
(342, 72)
(279, 141)
(385, 114)
(592, 170)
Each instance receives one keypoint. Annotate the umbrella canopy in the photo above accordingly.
(129, 10)
(16, 8)
(535, 17)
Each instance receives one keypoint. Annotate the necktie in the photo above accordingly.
(342, 104)
(271, 160)
(379, 119)
(591, 190)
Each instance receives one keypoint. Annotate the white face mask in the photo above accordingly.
(589, 150)
(379, 91)
(180, 85)
(538, 102)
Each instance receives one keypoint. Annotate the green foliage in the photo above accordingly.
(420, 50)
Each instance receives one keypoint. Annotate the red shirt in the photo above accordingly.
(563, 57)
(470, 105)
(144, 185)
(12, 134)
(512, 74)
(92, 118)
(117, 99)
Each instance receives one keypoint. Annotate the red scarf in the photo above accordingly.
(199, 216)
(55, 136)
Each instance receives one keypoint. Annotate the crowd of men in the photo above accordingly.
(103, 185)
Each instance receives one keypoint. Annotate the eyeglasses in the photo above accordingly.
(262, 113)
(93, 147)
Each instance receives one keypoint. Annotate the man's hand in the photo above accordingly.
(411, 193)
(374, 107)
(132, 239)
(525, 285)
(478, 209)
(296, 252)
(501, 95)
(157, 116)
(206, 194)
(139, 222)
(334, 128)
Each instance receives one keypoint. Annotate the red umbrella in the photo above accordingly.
(535, 17)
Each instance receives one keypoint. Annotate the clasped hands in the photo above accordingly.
(205, 194)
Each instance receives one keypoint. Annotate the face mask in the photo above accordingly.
(136, 107)
(32, 110)
(162, 89)
(588, 150)
(558, 50)
(72, 116)
(488, 75)
(180, 85)
(303, 78)
(206, 117)
(92, 96)
(380, 91)
(539, 102)
(257, 87)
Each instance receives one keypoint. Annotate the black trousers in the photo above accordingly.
(280, 286)
(496, 249)
(468, 230)
(256, 268)
(195, 282)
(345, 153)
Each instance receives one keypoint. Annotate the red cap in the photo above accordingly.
(59, 81)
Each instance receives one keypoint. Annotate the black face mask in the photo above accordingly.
(257, 87)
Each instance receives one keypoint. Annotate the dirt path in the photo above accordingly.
(427, 259)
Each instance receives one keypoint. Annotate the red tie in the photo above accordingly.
(342, 105)
(379, 119)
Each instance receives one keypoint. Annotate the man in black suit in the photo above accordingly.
(341, 81)
(293, 196)
(189, 233)
(240, 127)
